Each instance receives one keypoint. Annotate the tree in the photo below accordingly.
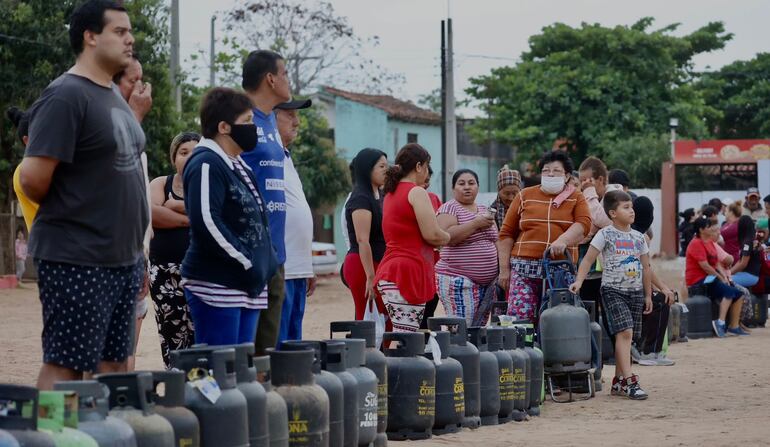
(640, 156)
(590, 85)
(324, 173)
(431, 101)
(320, 46)
(740, 94)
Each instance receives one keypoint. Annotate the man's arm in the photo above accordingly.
(35, 175)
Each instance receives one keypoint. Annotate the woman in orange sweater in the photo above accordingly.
(552, 216)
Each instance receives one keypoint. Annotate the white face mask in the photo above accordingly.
(552, 185)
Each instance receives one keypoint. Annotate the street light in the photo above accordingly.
(673, 123)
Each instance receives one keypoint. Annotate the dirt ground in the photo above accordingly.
(715, 395)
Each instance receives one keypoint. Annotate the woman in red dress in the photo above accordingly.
(405, 276)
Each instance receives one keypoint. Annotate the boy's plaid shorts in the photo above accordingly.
(623, 310)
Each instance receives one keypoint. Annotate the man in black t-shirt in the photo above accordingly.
(83, 166)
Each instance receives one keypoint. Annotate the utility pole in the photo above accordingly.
(443, 111)
(212, 55)
(176, 91)
(450, 123)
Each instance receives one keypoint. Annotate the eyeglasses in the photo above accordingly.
(552, 172)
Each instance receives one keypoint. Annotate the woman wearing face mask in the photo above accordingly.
(508, 186)
(468, 264)
(230, 258)
(553, 216)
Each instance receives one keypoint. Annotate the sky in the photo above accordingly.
(493, 33)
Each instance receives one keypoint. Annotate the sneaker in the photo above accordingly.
(615, 390)
(737, 331)
(650, 359)
(662, 360)
(719, 329)
(631, 389)
(635, 354)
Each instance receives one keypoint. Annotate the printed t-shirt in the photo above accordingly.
(621, 257)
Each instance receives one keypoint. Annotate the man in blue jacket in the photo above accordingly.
(266, 83)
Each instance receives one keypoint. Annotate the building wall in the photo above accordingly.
(359, 126)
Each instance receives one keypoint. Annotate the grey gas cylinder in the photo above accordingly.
(256, 397)
(168, 395)
(536, 361)
(330, 383)
(468, 356)
(521, 372)
(334, 360)
(596, 334)
(19, 416)
(565, 334)
(355, 361)
(307, 403)
(490, 377)
(760, 310)
(674, 323)
(277, 416)
(223, 416)
(495, 345)
(128, 402)
(450, 391)
(375, 360)
(683, 323)
(93, 418)
(411, 386)
(699, 317)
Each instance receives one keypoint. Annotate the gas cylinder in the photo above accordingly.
(683, 323)
(450, 391)
(222, 414)
(307, 403)
(355, 361)
(490, 377)
(58, 416)
(699, 317)
(6, 440)
(674, 323)
(468, 356)
(330, 383)
(565, 334)
(375, 360)
(608, 349)
(18, 416)
(334, 360)
(495, 345)
(536, 362)
(277, 416)
(411, 386)
(93, 419)
(760, 310)
(521, 381)
(596, 334)
(128, 401)
(256, 397)
(168, 395)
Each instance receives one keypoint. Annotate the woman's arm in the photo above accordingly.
(362, 225)
(163, 217)
(740, 265)
(458, 233)
(426, 218)
(574, 234)
(504, 247)
(706, 267)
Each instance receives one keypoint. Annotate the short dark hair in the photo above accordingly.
(119, 75)
(89, 17)
(709, 211)
(221, 104)
(560, 156)
(460, 172)
(614, 198)
(716, 203)
(597, 167)
(256, 66)
(619, 177)
(701, 223)
(767, 199)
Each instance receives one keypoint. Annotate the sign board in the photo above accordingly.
(721, 151)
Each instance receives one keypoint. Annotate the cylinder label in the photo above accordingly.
(506, 384)
(368, 415)
(382, 400)
(459, 396)
(519, 384)
(426, 402)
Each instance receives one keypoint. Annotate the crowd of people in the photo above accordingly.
(223, 241)
(727, 257)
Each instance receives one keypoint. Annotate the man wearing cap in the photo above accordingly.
(752, 207)
(266, 83)
(300, 280)
(508, 186)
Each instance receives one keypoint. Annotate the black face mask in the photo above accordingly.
(244, 135)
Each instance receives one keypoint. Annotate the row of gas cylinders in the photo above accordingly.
(336, 392)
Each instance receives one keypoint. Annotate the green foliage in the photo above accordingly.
(640, 156)
(590, 85)
(324, 173)
(741, 93)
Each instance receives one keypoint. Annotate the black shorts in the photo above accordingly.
(623, 310)
(88, 312)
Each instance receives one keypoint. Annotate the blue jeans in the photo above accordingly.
(221, 325)
(293, 310)
(745, 279)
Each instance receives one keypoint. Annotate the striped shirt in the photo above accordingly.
(216, 295)
(475, 257)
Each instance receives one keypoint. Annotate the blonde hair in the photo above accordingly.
(736, 208)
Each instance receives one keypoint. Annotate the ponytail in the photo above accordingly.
(393, 176)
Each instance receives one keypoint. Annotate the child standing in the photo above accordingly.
(21, 254)
(626, 288)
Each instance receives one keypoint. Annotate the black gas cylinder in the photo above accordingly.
(450, 395)
(490, 377)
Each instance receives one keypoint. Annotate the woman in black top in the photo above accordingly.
(171, 229)
(363, 213)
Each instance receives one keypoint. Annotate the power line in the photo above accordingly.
(21, 39)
